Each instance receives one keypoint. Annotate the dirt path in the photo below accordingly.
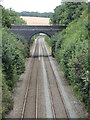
(42, 91)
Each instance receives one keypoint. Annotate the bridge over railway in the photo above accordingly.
(29, 31)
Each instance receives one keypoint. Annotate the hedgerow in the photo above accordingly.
(70, 48)
(14, 52)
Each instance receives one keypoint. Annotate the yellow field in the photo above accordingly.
(36, 20)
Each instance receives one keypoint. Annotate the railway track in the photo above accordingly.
(34, 54)
(49, 87)
(48, 76)
(57, 105)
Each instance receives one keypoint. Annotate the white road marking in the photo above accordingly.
(47, 96)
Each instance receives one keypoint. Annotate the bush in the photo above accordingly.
(67, 12)
(7, 101)
(48, 40)
(10, 17)
(73, 56)
(70, 48)
(14, 53)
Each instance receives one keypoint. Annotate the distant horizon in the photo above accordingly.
(25, 11)
(35, 12)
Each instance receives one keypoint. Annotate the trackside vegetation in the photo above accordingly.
(70, 49)
(14, 53)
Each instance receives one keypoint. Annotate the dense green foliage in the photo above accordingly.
(35, 14)
(48, 40)
(70, 48)
(10, 17)
(67, 12)
(14, 52)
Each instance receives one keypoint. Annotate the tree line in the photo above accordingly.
(35, 14)
(67, 12)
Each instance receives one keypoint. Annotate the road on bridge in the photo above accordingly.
(41, 95)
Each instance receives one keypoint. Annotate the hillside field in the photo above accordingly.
(36, 20)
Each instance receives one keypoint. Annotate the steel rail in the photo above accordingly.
(36, 100)
(66, 111)
(51, 98)
(27, 90)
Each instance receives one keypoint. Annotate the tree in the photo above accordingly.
(10, 17)
(67, 12)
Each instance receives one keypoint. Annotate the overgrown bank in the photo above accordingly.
(14, 52)
(70, 48)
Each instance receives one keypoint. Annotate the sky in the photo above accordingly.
(31, 5)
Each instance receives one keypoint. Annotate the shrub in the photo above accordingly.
(14, 53)
(7, 101)
(70, 48)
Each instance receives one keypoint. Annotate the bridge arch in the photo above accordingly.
(29, 31)
(35, 33)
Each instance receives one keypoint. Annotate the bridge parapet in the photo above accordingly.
(37, 27)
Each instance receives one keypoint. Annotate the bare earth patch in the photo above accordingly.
(36, 20)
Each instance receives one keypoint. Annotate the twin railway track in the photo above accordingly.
(53, 77)
(31, 105)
